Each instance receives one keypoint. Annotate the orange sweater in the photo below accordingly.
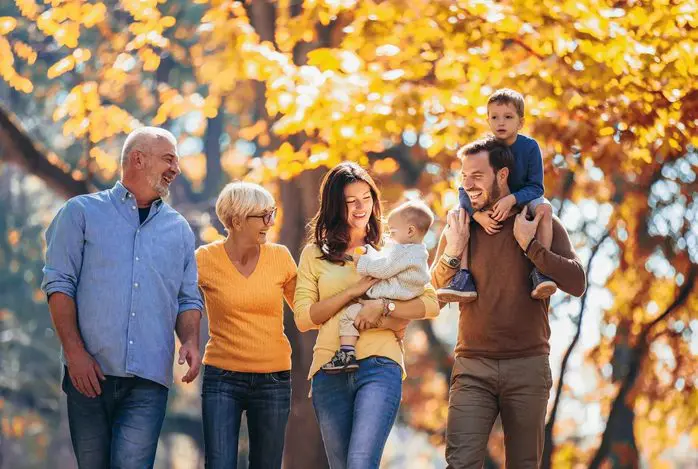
(245, 315)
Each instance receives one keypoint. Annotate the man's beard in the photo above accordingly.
(156, 182)
(494, 195)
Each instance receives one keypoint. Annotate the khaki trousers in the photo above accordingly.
(482, 388)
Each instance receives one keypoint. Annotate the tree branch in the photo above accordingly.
(549, 446)
(638, 353)
(18, 148)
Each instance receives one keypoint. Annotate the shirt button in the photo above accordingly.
(138, 258)
(130, 342)
(135, 284)
(133, 314)
(138, 230)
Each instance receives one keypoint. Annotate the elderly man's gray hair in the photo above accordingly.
(141, 139)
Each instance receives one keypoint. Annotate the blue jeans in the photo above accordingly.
(356, 411)
(120, 427)
(266, 397)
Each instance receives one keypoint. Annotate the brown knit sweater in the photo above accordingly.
(505, 322)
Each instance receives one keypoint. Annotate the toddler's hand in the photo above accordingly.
(489, 224)
(358, 252)
(501, 209)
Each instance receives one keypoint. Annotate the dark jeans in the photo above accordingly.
(266, 397)
(120, 427)
(356, 411)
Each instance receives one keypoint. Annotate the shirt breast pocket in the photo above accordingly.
(166, 256)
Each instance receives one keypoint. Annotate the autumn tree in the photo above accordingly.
(276, 91)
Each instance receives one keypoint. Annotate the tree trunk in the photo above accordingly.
(303, 448)
(615, 438)
(549, 444)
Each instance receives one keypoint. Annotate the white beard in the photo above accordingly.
(158, 186)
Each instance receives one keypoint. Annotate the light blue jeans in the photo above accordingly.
(356, 411)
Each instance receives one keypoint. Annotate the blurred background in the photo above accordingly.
(276, 91)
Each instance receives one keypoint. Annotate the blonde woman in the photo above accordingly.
(247, 362)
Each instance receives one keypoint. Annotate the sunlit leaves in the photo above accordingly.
(68, 63)
(88, 117)
(608, 89)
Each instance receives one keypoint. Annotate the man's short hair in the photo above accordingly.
(500, 155)
(141, 139)
(508, 96)
(417, 213)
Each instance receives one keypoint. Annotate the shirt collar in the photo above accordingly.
(123, 195)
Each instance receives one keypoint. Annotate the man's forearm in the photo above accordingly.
(441, 275)
(567, 272)
(64, 317)
(187, 327)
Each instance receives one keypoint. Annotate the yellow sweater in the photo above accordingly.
(245, 315)
(320, 279)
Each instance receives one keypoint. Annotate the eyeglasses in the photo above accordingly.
(266, 217)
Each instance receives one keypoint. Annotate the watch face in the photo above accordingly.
(391, 306)
(453, 262)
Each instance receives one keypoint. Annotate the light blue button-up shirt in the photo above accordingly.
(129, 280)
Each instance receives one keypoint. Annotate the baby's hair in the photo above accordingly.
(416, 213)
(508, 96)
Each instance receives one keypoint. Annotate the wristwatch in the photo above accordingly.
(388, 307)
(452, 262)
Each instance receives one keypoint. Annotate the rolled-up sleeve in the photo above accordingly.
(307, 292)
(431, 304)
(189, 296)
(65, 239)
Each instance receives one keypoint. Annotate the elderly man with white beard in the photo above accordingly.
(121, 279)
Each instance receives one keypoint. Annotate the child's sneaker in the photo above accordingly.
(460, 290)
(342, 362)
(543, 286)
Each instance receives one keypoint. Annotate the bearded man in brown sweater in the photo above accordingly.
(501, 364)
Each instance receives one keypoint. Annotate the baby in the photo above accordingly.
(401, 267)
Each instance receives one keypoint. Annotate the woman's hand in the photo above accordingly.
(361, 287)
(370, 314)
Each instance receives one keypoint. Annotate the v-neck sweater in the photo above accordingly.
(245, 314)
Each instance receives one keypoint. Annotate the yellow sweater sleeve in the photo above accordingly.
(431, 304)
(200, 255)
(307, 292)
(290, 284)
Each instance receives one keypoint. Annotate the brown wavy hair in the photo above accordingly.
(329, 229)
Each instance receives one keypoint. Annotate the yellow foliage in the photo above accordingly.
(7, 24)
(64, 65)
(28, 8)
(194, 167)
(13, 237)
